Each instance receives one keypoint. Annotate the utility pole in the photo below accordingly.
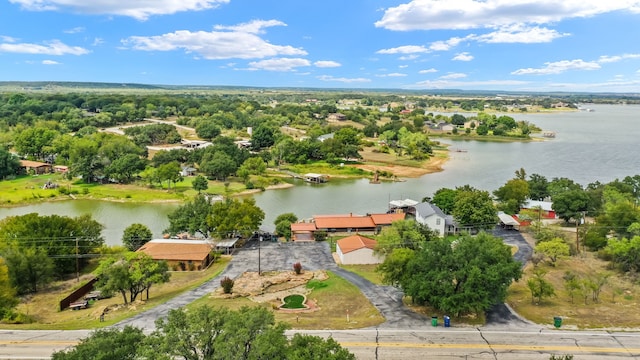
(259, 243)
(77, 263)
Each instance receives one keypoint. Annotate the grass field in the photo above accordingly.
(617, 306)
(366, 271)
(44, 306)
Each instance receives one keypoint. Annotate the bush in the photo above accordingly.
(227, 284)
(297, 268)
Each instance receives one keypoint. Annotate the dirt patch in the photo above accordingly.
(388, 162)
(272, 287)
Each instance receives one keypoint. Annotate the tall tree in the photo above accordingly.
(474, 208)
(467, 276)
(8, 299)
(170, 173)
(133, 273)
(538, 187)
(191, 217)
(200, 183)
(106, 344)
(445, 199)
(233, 216)
(30, 268)
(404, 234)
(513, 194)
(136, 235)
(9, 164)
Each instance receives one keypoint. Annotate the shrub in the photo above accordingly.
(227, 284)
(297, 268)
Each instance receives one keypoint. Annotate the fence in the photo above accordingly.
(78, 294)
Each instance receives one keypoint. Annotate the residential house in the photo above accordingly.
(36, 167)
(180, 254)
(357, 249)
(188, 171)
(545, 208)
(343, 224)
(427, 214)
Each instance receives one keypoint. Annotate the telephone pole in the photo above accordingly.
(77, 263)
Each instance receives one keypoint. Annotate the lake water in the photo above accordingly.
(588, 147)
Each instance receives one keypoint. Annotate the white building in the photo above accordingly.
(357, 249)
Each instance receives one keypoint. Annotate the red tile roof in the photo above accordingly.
(356, 242)
(387, 219)
(303, 227)
(177, 250)
(343, 222)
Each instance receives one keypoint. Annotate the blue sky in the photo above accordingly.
(518, 45)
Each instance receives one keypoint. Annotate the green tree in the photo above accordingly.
(474, 208)
(61, 237)
(624, 253)
(283, 224)
(218, 166)
(9, 164)
(207, 129)
(394, 267)
(515, 192)
(404, 234)
(538, 187)
(263, 136)
(539, 287)
(307, 347)
(200, 183)
(30, 268)
(123, 168)
(233, 216)
(553, 249)
(445, 199)
(34, 140)
(191, 217)
(468, 275)
(571, 204)
(170, 173)
(132, 272)
(84, 160)
(136, 235)
(8, 299)
(106, 344)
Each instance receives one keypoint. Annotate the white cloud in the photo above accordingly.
(55, 47)
(408, 57)
(75, 30)
(611, 59)
(521, 34)
(559, 67)
(8, 39)
(403, 66)
(446, 84)
(216, 45)
(50, 62)
(477, 14)
(453, 76)
(445, 45)
(252, 27)
(279, 64)
(138, 9)
(406, 49)
(392, 75)
(97, 41)
(427, 71)
(463, 56)
(327, 64)
(343, 79)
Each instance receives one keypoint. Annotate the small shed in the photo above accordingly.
(315, 178)
(357, 249)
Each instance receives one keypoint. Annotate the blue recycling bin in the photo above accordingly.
(447, 321)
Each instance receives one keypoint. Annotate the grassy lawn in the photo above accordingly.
(616, 308)
(333, 300)
(28, 189)
(328, 169)
(44, 306)
(366, 271)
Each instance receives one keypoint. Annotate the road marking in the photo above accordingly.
(587, 349)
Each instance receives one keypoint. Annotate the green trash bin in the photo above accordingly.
(557, 321)
(434, 321)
